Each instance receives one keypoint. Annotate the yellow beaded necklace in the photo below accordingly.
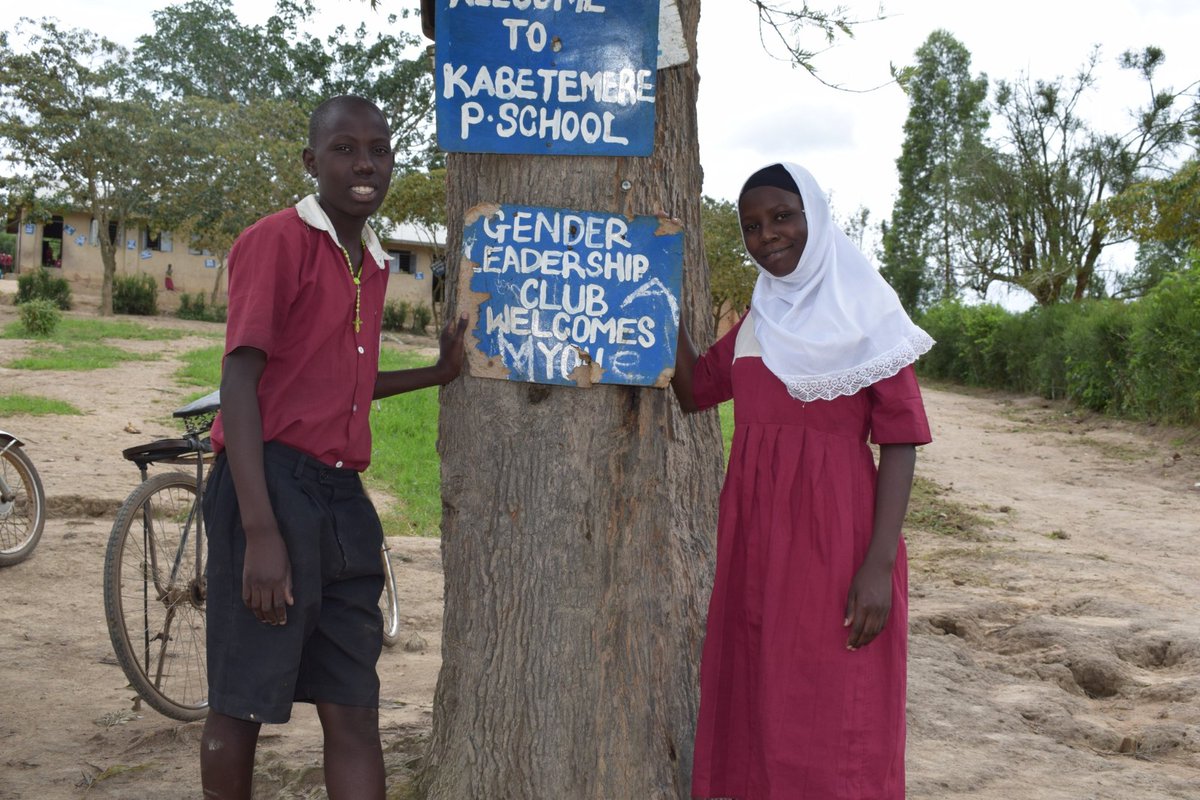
(357, 278)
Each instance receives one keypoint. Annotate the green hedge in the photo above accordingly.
(40, 284)
(1165, 349)
(135, 294)
(194, 306)
(1138, 359)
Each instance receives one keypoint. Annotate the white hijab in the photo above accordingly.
(833, 325)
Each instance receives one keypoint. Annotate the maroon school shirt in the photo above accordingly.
(291, 296)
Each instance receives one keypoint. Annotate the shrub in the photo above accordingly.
(395, 314)
(40, 317)
(942, 322)
(135, 294)
(982, 357)
(1096, 349)
(194, 306)
(422, 315)
(1165, 349)
(40, 284)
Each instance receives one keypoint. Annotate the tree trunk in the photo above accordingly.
(578, 525)
(108, 257)
(216, 290)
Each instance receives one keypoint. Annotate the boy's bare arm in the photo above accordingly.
(448, 365)
(267, 575)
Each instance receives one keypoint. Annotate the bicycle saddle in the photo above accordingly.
(209, 404)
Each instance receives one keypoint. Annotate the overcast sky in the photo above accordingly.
(754, 109)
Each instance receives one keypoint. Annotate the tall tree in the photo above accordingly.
(1034, 217)
(947, 117)
(1163, 216)
(201, 49)
(254, 107)
(1164, 210)
(731, 274)
(578, 524)
(245, 164)
(72, 122)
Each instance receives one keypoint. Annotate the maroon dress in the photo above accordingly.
(786, 711)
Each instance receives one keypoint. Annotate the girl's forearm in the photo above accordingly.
(685, 363)
(897, 463)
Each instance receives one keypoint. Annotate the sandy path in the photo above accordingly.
(1056, 655)
(1059, 657)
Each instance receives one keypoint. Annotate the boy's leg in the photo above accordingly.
(227, 757)
(353, 754)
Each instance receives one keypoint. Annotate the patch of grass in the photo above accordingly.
(404, 459)
(76, 344)
(1114, 450)
(201, 367)
(726, 412)
(1058, 534)
(929, 510)
(77, 357)
(34, 406)
(73, 329)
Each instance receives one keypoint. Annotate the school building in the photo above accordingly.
(69, 244)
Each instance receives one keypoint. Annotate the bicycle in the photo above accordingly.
(154, 579)
(22, 502)
(154, 582)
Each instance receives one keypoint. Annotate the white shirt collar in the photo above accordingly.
(311, 212)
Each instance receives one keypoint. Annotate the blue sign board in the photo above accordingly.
(549, 77)
(572, 298)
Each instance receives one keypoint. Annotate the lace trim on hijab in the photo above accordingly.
(829, 387)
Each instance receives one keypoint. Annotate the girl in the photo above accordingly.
(802, 681)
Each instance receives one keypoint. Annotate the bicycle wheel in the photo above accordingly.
(23, 509)
(389, 601)
(154, 595)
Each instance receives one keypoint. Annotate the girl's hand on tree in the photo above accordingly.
(868, 604)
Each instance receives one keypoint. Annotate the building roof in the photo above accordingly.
(413, 234)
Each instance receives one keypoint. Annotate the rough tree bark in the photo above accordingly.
(578, 526)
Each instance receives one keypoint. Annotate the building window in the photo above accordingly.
(197, 251)
(156, 240)
(94, 232)
(401, 261)
(52, 233)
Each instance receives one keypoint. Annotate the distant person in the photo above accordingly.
(294, 572)
(169, 280)
(802, 680)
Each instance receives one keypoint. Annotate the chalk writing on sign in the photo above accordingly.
(569, 297)
(556, 77)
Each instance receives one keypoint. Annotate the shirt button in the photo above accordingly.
(354, 407)
(360, 349)
(338, 465)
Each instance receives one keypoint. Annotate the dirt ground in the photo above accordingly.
(1055, 655)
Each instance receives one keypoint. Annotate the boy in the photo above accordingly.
(294, 573)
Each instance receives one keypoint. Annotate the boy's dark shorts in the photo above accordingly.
(328, 649)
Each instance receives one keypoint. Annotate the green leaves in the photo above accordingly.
(731, 275)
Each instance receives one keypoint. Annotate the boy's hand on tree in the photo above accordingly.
(452, 346)
(267, 578)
